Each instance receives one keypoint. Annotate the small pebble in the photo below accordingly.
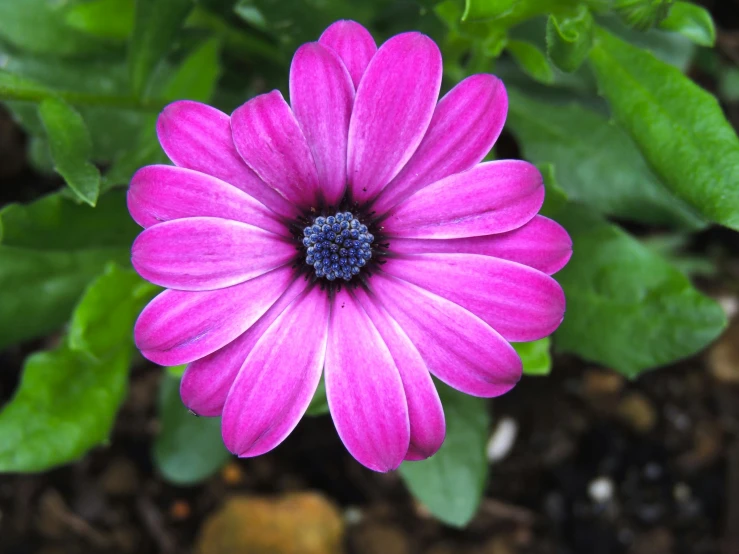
(502, 440)
(638, 412)
(353, 515)
(180, 510)
(730, 305)
(232, 474)
(601, 489)
(681, 493)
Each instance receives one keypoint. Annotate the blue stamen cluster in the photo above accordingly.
(337, 246)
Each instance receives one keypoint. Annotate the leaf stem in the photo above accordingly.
(82, 99)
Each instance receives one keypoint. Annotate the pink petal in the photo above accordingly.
(277, 381)
(520, 303)
(164, 192)
(425, 412)
(178, 327)
(541, 243)
(492, 197)
(270, 141)
(322, 95)
(457, 346)
(354, 45)
(206, 382)
(364, 389)
(196, 136)
(202, 253)
(466, 124)
(392, 110)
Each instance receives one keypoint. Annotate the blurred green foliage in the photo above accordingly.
(599, 100)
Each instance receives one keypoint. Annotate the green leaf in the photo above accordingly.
(145, 150)
(39, 27)
(673, 247)
(188, 448)
(67, 399)
(156, 25)
(65, 405)
(110, 19)
(71, 147)
(56, 223)
(450, 483)
(104, 319)
(678, 126)
(671, 48)
(475, 10)
(290, 23)
(627, 307)
(15, 87)
(694, 22)
(319, 403)
(39, 289)
(596, 162)
(112, 129)
(728, 84)
(51, 249)
(535, 356)
(176, 371)
(569, 39)
(642, 14)
(196, 77)
(555, 198)
(251, 14)
(532, 61)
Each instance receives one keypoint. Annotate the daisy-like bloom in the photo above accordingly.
(353, 233)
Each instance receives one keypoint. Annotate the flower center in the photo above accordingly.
(337, 246)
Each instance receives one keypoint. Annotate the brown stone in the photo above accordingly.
(301, 523)
(232, 474)
(179, 510)
(638, 411)
(597, 383)
(723, 357)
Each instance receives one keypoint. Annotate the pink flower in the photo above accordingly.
(353, 233)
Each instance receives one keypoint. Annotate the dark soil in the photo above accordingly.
(665, 445)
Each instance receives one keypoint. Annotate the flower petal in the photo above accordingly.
(466, 124)
(520, 303)
(354, 45)
(202, 253)
(457, 346)
(425, 412)
(492, 197)
(364, 389)
(392, 110)
(277, 381)
(541, 243)
(207, 381)
(164, 192)
(196, 136)
(270, 141)
(178, 327)
(322, 94)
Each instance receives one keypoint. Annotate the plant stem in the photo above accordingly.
(82, 99)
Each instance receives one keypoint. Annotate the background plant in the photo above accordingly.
(599, 100)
